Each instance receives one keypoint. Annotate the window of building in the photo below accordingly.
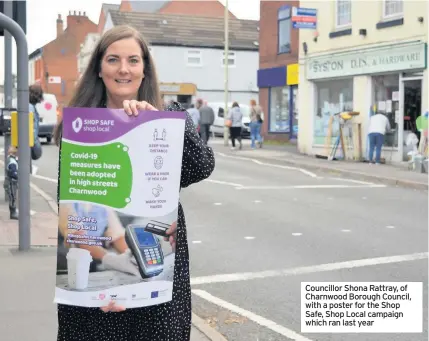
(231, 59)
(332, 97)
(284, 28)
(386, 101)
(393, 8)
(194, 58)
(279, 110)
(343, 13)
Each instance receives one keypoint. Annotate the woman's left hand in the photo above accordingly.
(172, 235)
(132, 107)
(113, 308)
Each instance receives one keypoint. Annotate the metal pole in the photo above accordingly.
(23, 130)
(226, 66)
(8, 11)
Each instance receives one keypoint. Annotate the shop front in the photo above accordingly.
(279, 94)
(184, 93)
(391, 79)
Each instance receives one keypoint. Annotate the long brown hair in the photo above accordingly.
(91, 92)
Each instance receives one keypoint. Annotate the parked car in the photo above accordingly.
(219, 123)
(48, 116)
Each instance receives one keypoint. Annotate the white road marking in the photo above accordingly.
(245, 276)
(257, 201)
(390, 227)
(295, 199)
(296, 234)
(345, 230)
(364, 198)
(302, 170)
(196, 242)
(262, 321)
(41, 177)
(353, 181)
(217, 204)
(308, 187)
(249, 238)
(223, 183)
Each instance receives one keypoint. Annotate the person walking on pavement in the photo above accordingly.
(36, 97)
(207, 118)
(255, 124)
(236, 117)
(12, 180)
(378, 125)
(121, 74)
(195, 115)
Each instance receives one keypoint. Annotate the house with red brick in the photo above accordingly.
(54, 65)
(277, 76)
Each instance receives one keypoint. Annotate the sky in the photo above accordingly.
(42, 15)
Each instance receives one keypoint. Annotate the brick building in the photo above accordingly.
(54, 65)
(278, 70)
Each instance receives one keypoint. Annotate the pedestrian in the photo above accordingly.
(12, 180)
(207, 118)
(236, 117)
(255, 124)
(121, 75)
(35, 97)
(378, 125)
(195, 115)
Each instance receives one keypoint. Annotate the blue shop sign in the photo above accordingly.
(272, 77)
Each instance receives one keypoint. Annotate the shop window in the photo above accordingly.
(343, 13)
(386, 101)
(393, 8)
(279, 110)
(284, 29)
(333, 97)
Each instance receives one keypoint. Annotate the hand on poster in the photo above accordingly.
(124, 262)
(113, 308)
(172, 235)
(133, 107)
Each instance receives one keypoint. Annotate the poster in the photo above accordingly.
(119, 195)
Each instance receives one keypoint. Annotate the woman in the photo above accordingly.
(121, 74)
(35, 97)
(236, 117)
(255, 123)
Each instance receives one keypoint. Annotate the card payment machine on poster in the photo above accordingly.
(146, 249)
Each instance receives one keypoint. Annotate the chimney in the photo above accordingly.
(60, 27)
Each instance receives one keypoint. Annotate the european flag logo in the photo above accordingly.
(154, 294)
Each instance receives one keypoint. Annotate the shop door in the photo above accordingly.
(412, 109)
(293, 114)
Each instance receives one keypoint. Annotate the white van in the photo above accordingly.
(219, 123)
(47, 110)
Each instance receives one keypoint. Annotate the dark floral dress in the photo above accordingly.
(166, 322)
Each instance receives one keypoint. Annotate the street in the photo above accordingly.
(256, 230)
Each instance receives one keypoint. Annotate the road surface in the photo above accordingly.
(257, 229)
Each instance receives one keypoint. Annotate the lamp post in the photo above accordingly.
(226, 67)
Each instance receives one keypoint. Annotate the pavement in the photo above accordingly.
(257, 229)
(396, 174)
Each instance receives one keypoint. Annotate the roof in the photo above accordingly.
(147, 6)
(107, 7)
(190, 31)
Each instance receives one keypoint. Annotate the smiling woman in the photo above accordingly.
(121, 75)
